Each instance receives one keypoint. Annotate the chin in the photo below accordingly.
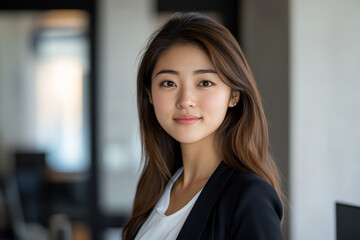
(187, 140)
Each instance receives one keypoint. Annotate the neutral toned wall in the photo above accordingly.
(124, 27)
(325, 113)
(17, 117)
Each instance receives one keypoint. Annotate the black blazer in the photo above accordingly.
(234, 205)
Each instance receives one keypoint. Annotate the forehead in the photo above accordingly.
(183, 58)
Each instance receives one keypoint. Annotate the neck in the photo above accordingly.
(199, 160)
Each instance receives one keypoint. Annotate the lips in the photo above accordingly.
(187, 119)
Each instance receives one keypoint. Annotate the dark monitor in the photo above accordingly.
(347, 222)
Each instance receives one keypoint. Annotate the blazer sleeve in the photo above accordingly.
(258, 213)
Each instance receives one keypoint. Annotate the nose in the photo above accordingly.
(186, 99)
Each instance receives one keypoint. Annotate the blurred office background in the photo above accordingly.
(69, 145)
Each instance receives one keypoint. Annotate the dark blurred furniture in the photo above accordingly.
(29, 173)
(5, 231)
(347, 222)
(44, 192)
(41, 200)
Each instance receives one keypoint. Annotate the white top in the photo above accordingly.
(161, 227)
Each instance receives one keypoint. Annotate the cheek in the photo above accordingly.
(161, 102)
(216, 102)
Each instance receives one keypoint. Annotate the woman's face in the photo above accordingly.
(189, 98)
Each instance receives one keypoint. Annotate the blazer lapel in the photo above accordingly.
(202, 209)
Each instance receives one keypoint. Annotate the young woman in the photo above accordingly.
(207, 171)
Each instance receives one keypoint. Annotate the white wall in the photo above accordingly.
(17, 117)
(124, 29)
(325, 113)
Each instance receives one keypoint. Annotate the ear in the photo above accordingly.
(148, 92)
(235, 97)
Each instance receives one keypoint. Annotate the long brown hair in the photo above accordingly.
(242, 139)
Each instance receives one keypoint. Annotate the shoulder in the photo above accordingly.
(254, 192)
(256, 209)
(251, 191)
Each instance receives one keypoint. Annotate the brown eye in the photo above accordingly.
(168, 84)
(205, 84)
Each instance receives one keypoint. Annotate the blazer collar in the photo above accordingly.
(202, 209)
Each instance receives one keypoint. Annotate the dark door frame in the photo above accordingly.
(228, 10)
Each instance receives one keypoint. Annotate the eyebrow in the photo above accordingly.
(199, 71)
